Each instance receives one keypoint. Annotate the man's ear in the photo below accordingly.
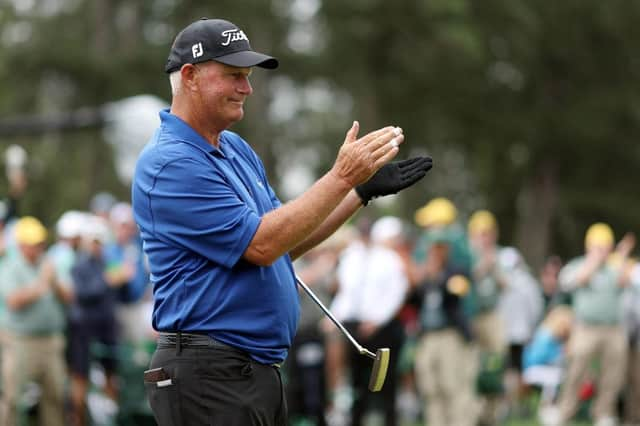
(189, 74)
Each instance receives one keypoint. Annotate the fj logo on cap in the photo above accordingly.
(197, 51)
(233, 35)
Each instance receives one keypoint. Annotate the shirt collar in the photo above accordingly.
(186, 133)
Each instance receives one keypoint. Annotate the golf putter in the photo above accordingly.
(380, 358)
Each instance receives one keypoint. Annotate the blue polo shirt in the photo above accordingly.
(198, 207)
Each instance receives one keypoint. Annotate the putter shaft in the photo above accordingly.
(380, 358)
(354, 342)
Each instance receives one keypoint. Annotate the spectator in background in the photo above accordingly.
(92, 318)
(3, 255)
(441, 213)
(15, 159)
(306, 363)
(631, 309)
(444, 372)
(127, 272)
(34, 349)
(63, 254)
(372, 288)
(439, 218)
(5, 217)
(64, 251)
(521, 308)
(544, 358)
(339, 391)
(9, 205)
(489, 281)
(101, 205)
(597, 282)
(409, 401)
(549, 281)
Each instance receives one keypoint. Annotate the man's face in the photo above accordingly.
(95, 248)
(484, 239)
(600, 250)
(32, 252)
(124, 231)
(222, 90)
(439, 252)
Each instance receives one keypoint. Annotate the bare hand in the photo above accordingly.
(47, 273)
(487, 262)
(366, 329)
(626, 244)
(359, 159)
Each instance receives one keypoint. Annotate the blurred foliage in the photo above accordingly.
(529, 108)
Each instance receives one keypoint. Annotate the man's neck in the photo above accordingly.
(197, 122)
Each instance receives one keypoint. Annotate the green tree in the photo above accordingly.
(540, 98)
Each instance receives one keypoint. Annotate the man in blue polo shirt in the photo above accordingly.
(220, 243)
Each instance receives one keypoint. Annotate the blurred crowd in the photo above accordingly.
(75, 317)
(476, 336)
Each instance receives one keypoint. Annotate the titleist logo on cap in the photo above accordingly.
(215, 40)
(233, 35)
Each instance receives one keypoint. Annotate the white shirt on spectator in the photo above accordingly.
(372, 284)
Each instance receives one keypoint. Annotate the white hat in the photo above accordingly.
(71, 224)
(386, 228)
(95, 229)
(121, 213)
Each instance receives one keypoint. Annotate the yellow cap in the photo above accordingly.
(438, 211)
(482, 221)
(599, 234)
(30, 231)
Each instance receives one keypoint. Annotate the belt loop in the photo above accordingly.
(178, 343)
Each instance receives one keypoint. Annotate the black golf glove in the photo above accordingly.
(394, 177)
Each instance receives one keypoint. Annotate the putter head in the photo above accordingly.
(379, 370)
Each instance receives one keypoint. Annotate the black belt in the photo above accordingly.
(189, 340)
(181, 340)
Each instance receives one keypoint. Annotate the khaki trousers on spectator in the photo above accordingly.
(34, 359)
(445, 375)
(489, 332)
(609, 345)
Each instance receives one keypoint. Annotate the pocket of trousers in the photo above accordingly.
(165, 402)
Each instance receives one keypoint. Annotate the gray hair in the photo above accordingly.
(175, 79)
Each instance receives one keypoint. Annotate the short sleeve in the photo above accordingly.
(195, 207)
(10, 279)
(568, 275)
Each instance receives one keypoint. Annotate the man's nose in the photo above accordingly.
(245, 87)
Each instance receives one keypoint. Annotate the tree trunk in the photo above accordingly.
(102, 18)
(535, 209)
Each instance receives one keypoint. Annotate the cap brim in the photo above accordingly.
(248, 58)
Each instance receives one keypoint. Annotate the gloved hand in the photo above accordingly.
(394, 177)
